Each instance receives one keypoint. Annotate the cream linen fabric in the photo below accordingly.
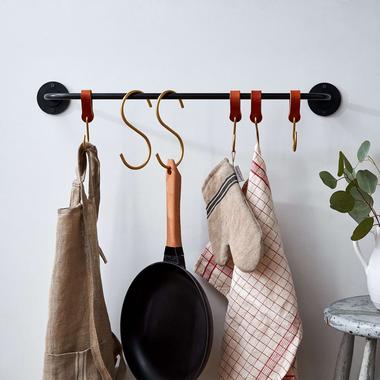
(79, 341)
(232, 227)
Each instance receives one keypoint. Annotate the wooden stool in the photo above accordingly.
(355, 316)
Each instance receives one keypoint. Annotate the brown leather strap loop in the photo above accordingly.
(86, 100)
(295, 106)
(235, 111)
(256, 115)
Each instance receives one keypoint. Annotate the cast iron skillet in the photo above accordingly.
(166, 320)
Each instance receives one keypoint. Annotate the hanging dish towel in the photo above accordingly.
(79, 342)
(262, 326)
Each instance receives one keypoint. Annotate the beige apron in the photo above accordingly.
(79, 342)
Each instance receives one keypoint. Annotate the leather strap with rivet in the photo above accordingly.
(295, 114)
(295, 106)
(235, 111)
(256, 115)
(86, 101)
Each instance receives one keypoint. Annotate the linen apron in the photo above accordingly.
(263, 328)
(79, 341)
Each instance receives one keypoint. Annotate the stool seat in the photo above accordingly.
(354, 315)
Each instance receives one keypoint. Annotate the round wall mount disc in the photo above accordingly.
(52, 107)
(325, 107)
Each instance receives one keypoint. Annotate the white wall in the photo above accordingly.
(188, 46)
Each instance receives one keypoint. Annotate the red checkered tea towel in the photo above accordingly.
(262, 327)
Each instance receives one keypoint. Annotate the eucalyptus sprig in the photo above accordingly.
(356, 199)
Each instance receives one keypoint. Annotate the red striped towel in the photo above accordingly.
(262, 326)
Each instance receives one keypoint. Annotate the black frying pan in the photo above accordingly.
(166, 320)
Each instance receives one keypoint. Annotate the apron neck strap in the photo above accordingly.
(88, 163)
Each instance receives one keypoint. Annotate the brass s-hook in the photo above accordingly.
(257, 131)
(129, 124)
(294, 135)
(169, 129)
(233, 150)
(86, 136)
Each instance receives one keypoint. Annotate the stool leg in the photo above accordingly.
(344, 359)
(367, 370)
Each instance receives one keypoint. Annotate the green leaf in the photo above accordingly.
(363, 150)
(349, 176)
(363, 228)
(340, 164)
(359, 214)
(351, 185)
(367, 181)
(328, 179)
(344, 165)
(342, 201)
(347, 164)
(361, 196)
(363, 204)
(360, 211)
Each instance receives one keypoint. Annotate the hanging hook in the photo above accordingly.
(257, 131)
(86, 136)
(235, 117)
(129, 124)
(169, 129)
(294, 115)
(87, 112)
(256, 115)
(294, 135)
(233, 150)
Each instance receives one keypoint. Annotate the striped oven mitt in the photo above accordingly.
(232, 226)
(263, 328)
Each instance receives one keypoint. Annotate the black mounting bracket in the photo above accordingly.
(52, 107)
(326, 107)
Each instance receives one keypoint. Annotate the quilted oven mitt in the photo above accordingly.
(233, 229)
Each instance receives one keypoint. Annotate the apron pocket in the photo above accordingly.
(70, 366)
(78, 365)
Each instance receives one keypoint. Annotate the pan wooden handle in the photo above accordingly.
(173, 206)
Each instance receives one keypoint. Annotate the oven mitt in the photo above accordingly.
(232, 227)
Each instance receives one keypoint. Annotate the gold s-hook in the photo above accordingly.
(169, 129)
(294, 135)
(129, 124)
(257, 131)
(233, 150)
(86, 136)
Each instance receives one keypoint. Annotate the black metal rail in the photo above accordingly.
(53, 97)
(183, 95)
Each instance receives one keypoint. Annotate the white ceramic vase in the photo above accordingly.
(372, 269)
